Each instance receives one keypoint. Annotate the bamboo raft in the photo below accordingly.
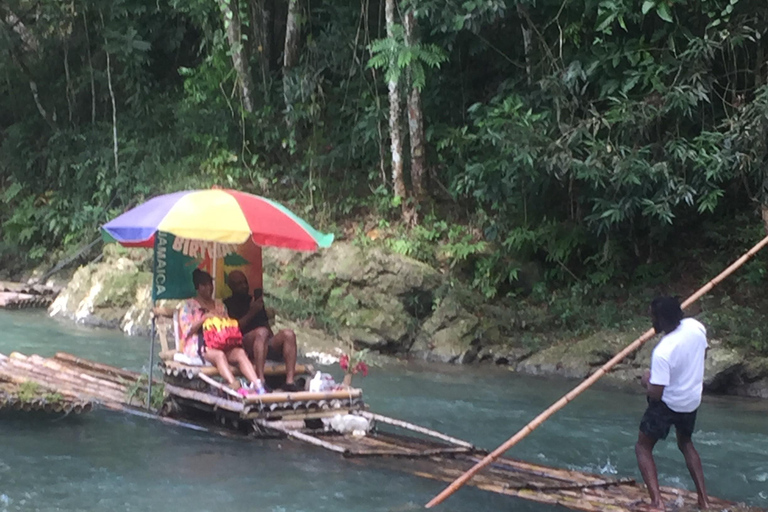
(307, 417)
(65, 383)
(21, 296)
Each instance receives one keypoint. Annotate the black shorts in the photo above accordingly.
(658, 418)
(272, 353)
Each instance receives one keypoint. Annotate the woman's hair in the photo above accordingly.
(667, 312)
(200, 277)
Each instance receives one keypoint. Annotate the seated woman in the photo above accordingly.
(194, 313)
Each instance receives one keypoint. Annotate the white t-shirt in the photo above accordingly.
(677, 364)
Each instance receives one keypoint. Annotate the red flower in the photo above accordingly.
(362, 368)
(344, 362)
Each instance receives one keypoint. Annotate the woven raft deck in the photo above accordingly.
(571, 489)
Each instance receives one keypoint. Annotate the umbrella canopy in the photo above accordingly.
(217, 215)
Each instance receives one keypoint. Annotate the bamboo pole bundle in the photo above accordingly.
(65, 402)
(304, 396)
(66, 382)
(99, 368)
(65, 372)
(205, 398)
(62, 370)
(415, 428)
(220, 386)
(66, 378)
(407, 454)
(565, 400)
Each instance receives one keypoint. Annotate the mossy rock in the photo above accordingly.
(578, 358)
(118, 285)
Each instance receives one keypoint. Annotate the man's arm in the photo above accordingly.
(654, 391)
(255, 306)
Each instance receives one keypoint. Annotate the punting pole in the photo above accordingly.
(541, 418)
(151, 359)
(153, 330)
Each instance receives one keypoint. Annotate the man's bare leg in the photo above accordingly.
(693, 461)
(644, 454)
(284, 342)
(255, 344)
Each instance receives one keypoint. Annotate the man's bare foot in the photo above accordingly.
(703, 504)
(657, 506)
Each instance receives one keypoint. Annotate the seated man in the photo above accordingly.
(258, 339)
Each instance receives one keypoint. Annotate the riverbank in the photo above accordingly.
(365, 297)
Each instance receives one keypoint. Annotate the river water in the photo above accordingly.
(111, 461)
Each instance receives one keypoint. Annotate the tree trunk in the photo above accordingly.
(290, 56)
(90, 68)
(521, 11)
(17, 56)
(239, 58)
(258, 43)
(69, 90)
(114, 105)
(415, 126)
(268, 33)
(395, 122)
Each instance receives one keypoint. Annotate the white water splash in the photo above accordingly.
(608, 469)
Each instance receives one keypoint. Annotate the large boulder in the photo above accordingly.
(449, 335)
(578, 358)
(462, 330)
(376, 299)
(114, 293)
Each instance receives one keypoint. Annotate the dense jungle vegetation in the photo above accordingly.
(569, 151)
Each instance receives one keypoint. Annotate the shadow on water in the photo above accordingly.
(106, 461)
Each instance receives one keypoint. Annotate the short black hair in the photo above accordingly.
(667, 311)
(200, 277)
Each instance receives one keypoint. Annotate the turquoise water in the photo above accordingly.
(111, 461)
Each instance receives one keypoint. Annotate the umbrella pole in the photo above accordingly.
(213, 265)
(541, 418)
(151, 360)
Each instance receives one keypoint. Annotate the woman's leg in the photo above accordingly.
(219, 359)
(238, 356)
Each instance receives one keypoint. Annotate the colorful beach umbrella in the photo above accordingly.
(216, 215)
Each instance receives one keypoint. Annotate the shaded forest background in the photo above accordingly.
(580, 154)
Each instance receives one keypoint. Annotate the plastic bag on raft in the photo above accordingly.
(348, 424)
(321, 382)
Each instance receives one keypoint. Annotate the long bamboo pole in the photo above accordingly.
(541, 418)
(415, 428)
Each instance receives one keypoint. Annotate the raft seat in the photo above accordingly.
(167, 328)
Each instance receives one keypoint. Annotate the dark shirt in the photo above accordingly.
(237, 307)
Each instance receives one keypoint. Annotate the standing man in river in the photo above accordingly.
(673, 386)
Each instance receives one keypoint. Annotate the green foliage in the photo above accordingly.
(739, 325)
(589, 139)
(28, 391)
(136, 393)
(395, 55)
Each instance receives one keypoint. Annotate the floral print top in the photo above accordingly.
(190, 313)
